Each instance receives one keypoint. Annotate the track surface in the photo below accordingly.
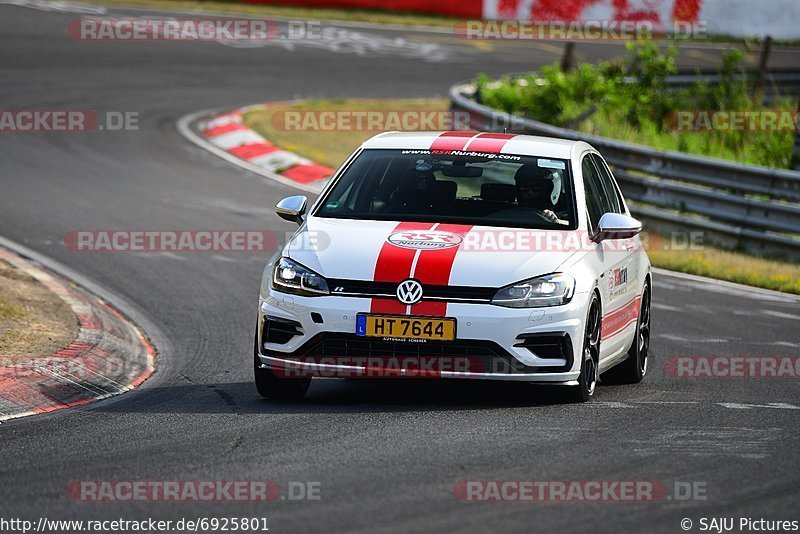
(387, 454)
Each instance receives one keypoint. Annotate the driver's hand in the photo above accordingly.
(549, 215)
(552, 217)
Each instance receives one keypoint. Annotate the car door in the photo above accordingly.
(615, 259)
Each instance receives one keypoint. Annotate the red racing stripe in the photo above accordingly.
(452, 141)
(618, 320)
(434, 267)
(492, 143)
(394, 265)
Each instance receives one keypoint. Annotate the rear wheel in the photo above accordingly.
(276, 387)
(634, 368)
(590, 355)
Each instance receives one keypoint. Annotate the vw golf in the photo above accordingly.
(459, 255)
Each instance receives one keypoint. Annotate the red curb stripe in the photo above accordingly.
(83, 371)
(253, 150)
(305, 173)
(225, 128)
(90, 321)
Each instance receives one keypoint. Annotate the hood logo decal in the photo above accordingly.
(409, 291)
(425, 239)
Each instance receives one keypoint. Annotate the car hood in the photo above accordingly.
(440, 254)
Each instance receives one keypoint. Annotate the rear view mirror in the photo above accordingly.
(292, 208)
(617, 226)
(462, 171)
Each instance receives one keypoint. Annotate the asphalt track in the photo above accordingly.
(387, 454)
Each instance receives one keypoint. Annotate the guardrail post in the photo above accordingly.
(568, 59)
(763, 65)
(796, 151)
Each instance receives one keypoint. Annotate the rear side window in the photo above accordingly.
(608, 184)
(596, 203)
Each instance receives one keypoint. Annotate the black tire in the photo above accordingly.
(634, 368)
(590, 355)
(275, 387)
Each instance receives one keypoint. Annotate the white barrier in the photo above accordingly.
(740, 18)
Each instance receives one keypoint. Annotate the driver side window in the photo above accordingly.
(596, 202)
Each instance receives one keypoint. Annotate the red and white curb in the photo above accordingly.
(226, 135)
(109, 356)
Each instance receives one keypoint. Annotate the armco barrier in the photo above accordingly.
(749, 207)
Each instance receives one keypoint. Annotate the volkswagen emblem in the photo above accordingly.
(409, 291)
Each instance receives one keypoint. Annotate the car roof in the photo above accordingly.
(517, 144)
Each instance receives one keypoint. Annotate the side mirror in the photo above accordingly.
(617, 226)
(292, 208)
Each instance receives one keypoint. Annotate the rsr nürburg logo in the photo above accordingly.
(424, 239)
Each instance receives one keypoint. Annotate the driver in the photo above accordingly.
(533, 188)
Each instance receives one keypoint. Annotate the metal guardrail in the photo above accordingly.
(783, 83)
(755, 208)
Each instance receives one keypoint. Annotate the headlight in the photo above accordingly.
(291, 277)
(550, 290)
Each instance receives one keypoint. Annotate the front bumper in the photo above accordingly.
(531, 345)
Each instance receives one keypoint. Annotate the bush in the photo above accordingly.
(630, 100)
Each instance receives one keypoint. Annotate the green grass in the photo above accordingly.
(731, 266)
(771, 149)
(630, 100)
(10, 310)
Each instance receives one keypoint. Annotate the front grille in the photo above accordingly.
(477, 356)
(368, 289)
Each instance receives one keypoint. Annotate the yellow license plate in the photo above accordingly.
(405, 327)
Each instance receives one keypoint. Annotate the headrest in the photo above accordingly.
(498, 192)
(443, 192)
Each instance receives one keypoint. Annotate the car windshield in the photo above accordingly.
(454, 186)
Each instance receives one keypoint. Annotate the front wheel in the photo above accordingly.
(633, 369)
(590, 355)
(275, 387)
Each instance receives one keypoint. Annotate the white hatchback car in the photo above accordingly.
(459, 255)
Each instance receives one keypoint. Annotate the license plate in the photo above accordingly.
(403, 327)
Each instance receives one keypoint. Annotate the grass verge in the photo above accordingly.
(630, 99)
(331, 149)
(731, 266)
(34, 321)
